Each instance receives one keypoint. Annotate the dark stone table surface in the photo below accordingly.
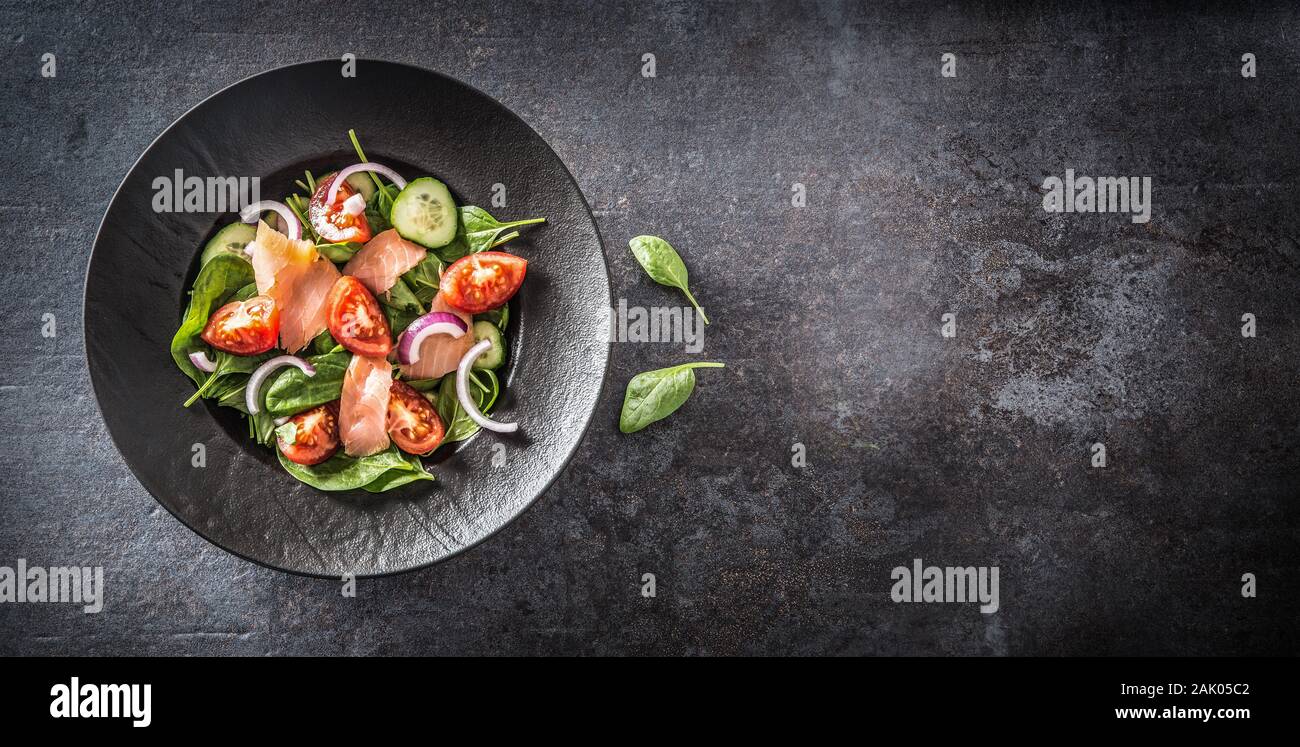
(923, 198)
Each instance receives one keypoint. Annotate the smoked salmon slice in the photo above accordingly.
(297, 278)
(440, 354)
(363, 408)
(383, 260)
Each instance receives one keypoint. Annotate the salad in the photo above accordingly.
(357, 325)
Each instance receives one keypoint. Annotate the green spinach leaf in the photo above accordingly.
(453, 251)
(664, 265)
(291, 391)
(325, 343)
(422, 280)
(499, 316)
(227, 365)
(264, 428)
(398, 318)
(380, 207)
(401, 307)
(338, 253)
(458, 423)
(482, 231)
(217, 280)
(378, 472)
(654, 395)
(402, 297)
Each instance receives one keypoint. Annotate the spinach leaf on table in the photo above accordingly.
(217, 280)
(654, 395)
(290, 391)
(664, 265)
(378, 472)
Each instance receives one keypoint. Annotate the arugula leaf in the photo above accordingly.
(222, 276)
(378, 472)
(482, 231)
(664, 265)
(654, 395)
(290, 391)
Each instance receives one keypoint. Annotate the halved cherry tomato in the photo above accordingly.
(481, 282)
(356, 320)
(330, 222)
(244, 327)
(412, 422)
(316, 436)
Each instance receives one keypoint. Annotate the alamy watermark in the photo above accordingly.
(58, 584)
(91, 700)
(670, 324)
(178, 193)
(950, 584)
(1104, 194)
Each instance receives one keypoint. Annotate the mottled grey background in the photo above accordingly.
(922, 199)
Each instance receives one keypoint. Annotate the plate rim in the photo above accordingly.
(568, 453)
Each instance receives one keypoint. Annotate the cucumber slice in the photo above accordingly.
(230, 240)
(362, 183)
(425, 213)
(494, 356)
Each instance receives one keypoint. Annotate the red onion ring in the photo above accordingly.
(253, 390)
(250, 214)
(466, 401)
(378, 168)
(202, 362)
(433, 323)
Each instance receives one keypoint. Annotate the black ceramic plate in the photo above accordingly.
(274, 126)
